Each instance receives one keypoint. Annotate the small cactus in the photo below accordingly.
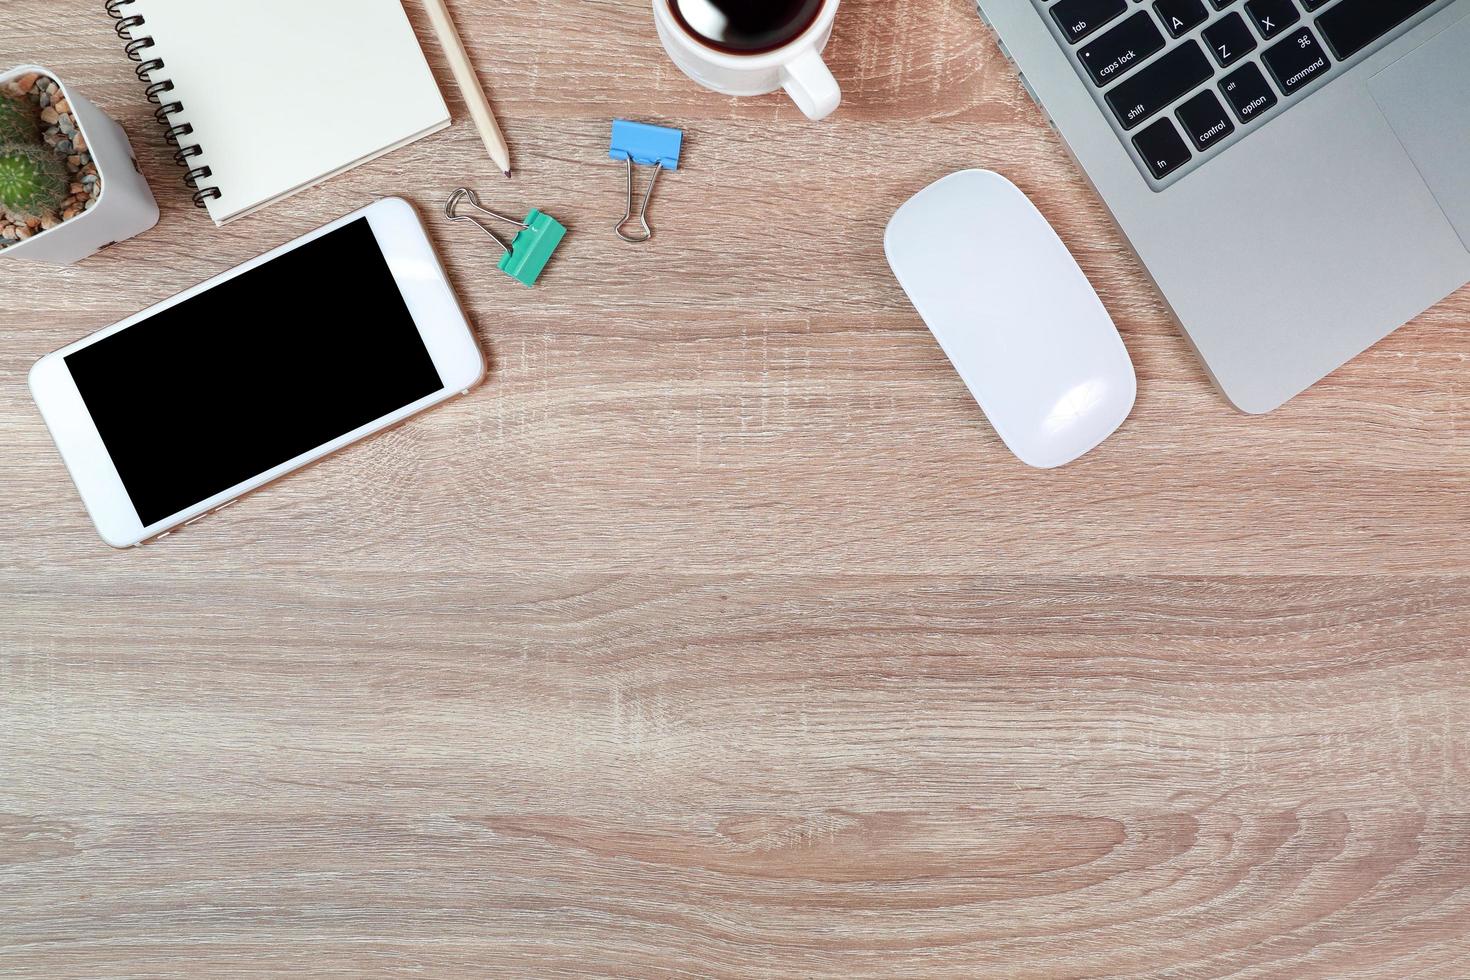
(33, 181)
(18, 121)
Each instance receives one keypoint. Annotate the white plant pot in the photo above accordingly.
(125, 207)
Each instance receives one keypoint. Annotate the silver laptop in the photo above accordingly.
(1294, 174)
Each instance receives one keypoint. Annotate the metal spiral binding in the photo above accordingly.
(144, 68)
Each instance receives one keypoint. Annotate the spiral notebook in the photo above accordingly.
(266, 98)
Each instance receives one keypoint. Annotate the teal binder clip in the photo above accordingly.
(525, 255)
(649, 146)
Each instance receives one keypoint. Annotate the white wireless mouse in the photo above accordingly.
(1015, 314)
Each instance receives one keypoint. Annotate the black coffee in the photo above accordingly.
(746, 26)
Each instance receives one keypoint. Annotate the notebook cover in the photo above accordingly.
(283, 94)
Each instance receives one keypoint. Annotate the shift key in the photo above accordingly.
(1121, 49)
(1159, 85)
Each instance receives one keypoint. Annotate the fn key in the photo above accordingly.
(1162, 148)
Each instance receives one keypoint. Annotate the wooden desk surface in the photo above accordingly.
(717, 633)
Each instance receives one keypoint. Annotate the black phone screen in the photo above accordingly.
(254, 372)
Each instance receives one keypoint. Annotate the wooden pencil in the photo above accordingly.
(469, 84)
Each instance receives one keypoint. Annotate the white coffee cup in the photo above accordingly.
(796, 66)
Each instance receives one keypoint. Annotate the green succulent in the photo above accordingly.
(19, 122)
(33, 181)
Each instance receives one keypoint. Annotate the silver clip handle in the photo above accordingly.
(464, 195)
(642, 211)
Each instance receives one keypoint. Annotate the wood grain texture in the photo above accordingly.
(717, 634)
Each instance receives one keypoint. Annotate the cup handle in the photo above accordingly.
(809, 82)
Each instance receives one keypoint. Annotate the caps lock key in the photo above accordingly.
(1121, 49)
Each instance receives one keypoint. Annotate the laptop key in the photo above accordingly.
(1160, 84)
(1162, 148)
(1079, 18)
(1248, 92)
(1314, 4)
(1296, 61)
(1228, 39)
(1353, 25)
(1221, 4)
(1121, 49)
(1205, 120)
(1180, 16)
(1272, 16)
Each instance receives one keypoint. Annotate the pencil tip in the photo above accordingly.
(507, 173)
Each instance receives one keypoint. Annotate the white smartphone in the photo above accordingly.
(181, 409)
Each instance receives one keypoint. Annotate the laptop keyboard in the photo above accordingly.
(1181, 79)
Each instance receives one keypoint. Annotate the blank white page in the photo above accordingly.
(283, 94)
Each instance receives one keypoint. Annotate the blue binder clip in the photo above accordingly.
(649, 146)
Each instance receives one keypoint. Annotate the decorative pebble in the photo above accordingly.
(59, 131)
